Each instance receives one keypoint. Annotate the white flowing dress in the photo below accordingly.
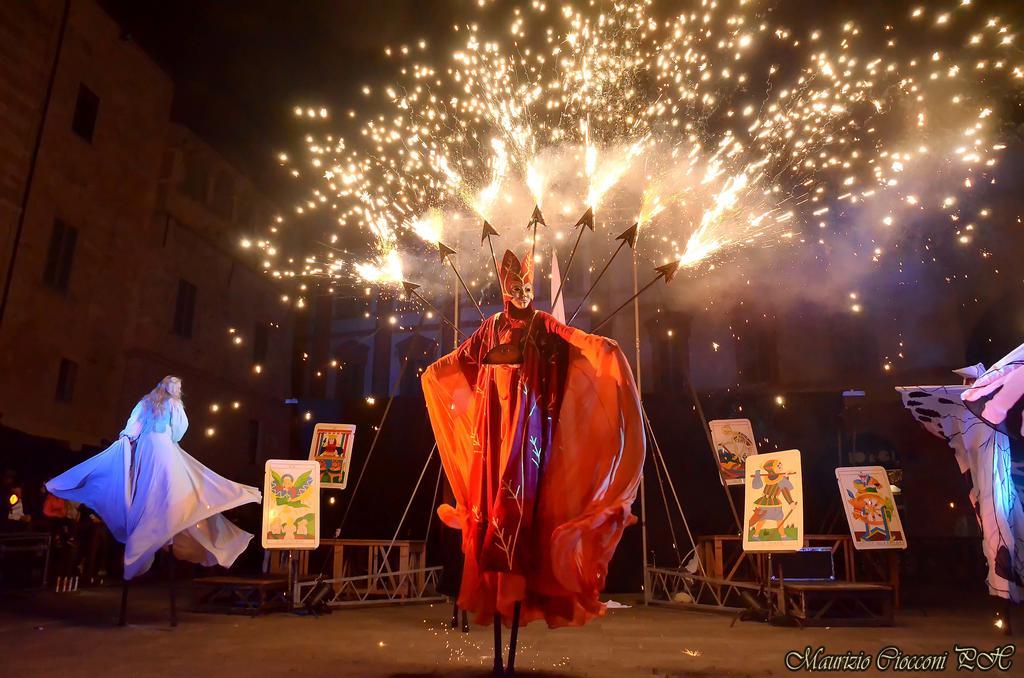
(162, 496)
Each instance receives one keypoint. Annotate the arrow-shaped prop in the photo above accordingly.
(587, 219)
(627, 237)
(535, 218)
(488, 231)
(668, 272)
(445, 252)
(410, 291)
(585, 222)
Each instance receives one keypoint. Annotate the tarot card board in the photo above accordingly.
(773, 502)
(331, 447)
(870, 508)
(291, 504)
(734, 442)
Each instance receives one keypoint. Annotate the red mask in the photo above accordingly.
(516, 280)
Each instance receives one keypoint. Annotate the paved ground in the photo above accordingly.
(67, 635)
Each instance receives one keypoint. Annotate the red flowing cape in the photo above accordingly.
(544, 461)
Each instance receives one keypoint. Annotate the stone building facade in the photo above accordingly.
(118, 233)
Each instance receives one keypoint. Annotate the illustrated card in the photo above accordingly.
(734, 442)
(870, 508)
(291, 504)
(773, 502)
(331, 447)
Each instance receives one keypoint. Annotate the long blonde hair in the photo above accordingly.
(156, 399)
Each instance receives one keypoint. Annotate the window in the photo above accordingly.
(224, 196)
(196, 179)
(260, 342)
(418, 353)
(66, 380)
(854, 346)
(254, 440)
(669, 338)
(244, 212)
(87, 107)
(60, 255)
(756, 345)
(184, 309)
(348, 381)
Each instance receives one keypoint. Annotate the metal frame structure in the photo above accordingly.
(383, 587)
(706, 593)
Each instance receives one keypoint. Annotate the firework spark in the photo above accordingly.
(715, 128)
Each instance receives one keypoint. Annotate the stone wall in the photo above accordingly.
(138, 233)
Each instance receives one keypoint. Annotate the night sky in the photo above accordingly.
(240, 66)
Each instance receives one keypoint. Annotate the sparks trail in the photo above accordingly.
(719, 126)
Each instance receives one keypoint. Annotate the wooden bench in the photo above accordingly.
(837, 603)
(242, 595)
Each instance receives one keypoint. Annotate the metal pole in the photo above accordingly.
(455, 318)
(640, 393)
(711, 445)
(494, 260)
(466, 287)
(30, 180)
(565, 274)
(408, 505)
(292, 585)
(624, 304)
(594, 284)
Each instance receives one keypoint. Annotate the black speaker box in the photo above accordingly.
(808, 564)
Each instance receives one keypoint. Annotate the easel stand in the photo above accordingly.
(783, 619)
(167, 556)
(290, 595)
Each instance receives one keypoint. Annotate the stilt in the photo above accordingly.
(123, 619)
(465, 622)
(511, 666)
(455, 614)
(499, 669)
(170, 582)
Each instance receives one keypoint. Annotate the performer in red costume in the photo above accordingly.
(540, 433)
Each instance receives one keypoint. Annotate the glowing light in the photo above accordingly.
(719, 149)
(429, 227)
(387, 269)
(210, 432)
